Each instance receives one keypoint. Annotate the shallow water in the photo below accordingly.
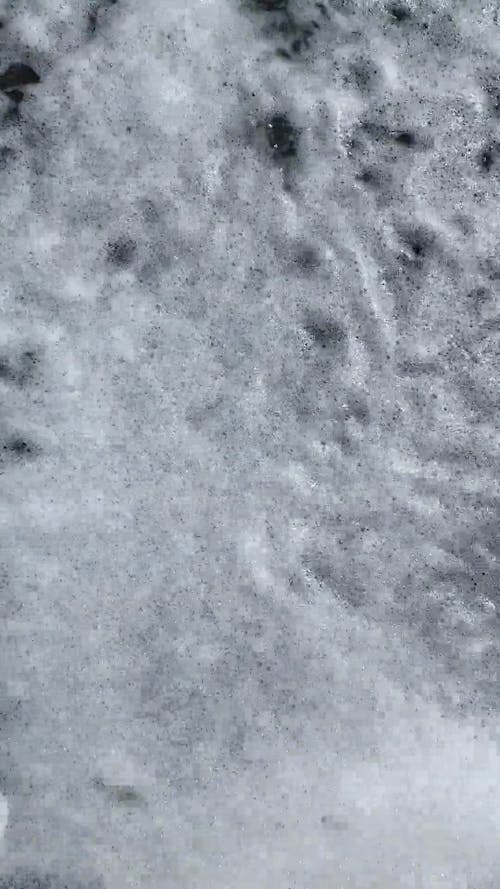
(249, 482)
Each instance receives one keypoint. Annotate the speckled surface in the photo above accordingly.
(249, 505)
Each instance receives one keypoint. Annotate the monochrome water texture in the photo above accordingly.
(249, 369)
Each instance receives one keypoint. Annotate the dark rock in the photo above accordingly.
(282, 136)
(15, 96)
(272, 5)
(325, 333)
(6, 371)
(399, 12)
(488, 156)
(121, 252)
(405, 138)
(19, 447)
(307, 258)
(323, 10)
(18, 75)
(419, 241)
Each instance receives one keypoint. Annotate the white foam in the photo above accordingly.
(4, 820)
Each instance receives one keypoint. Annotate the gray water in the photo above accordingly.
(249, 367)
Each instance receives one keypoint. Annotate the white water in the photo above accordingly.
(251, 566)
